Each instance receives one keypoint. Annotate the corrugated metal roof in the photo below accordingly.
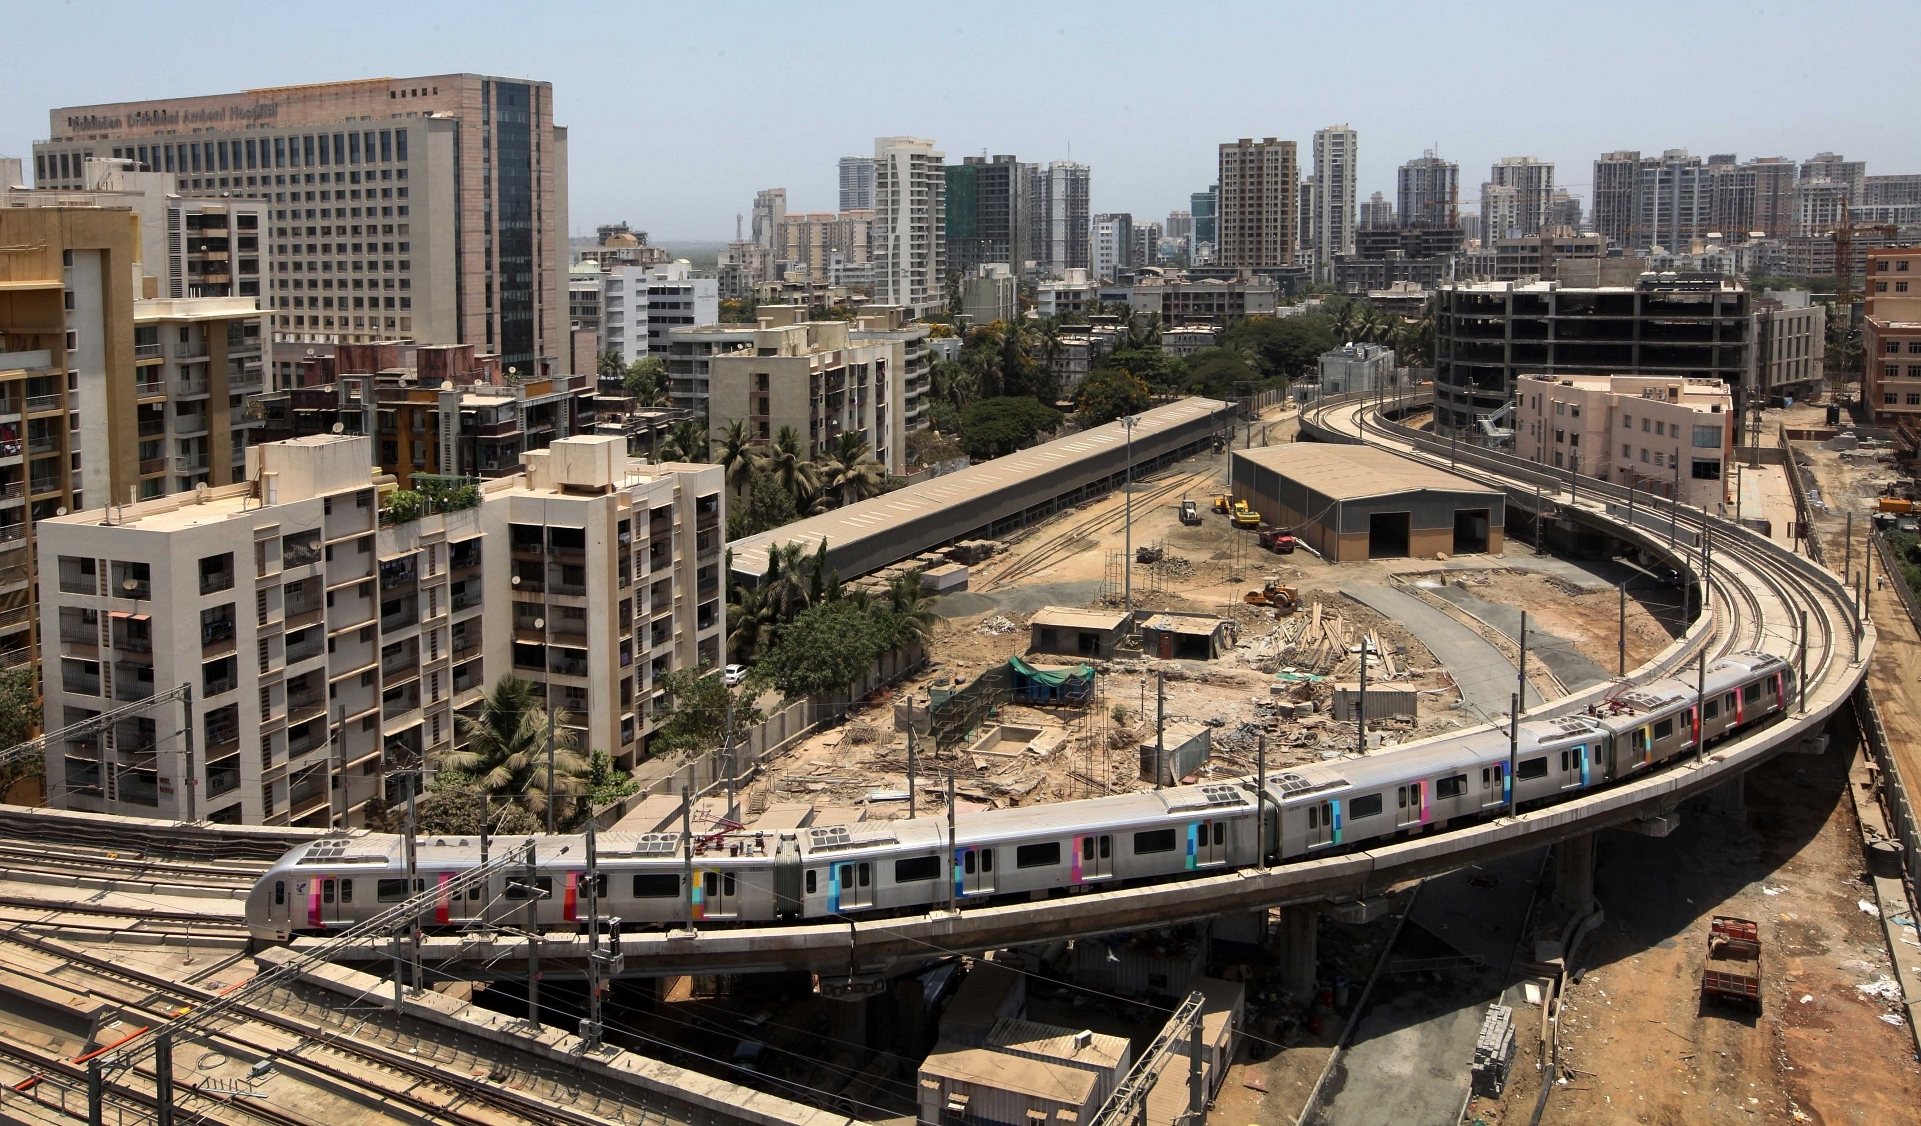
(1037, 1079)
(1100, 1049)
(1079, 619)
(1344, 472)
(879, 513)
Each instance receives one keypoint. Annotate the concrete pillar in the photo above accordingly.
(1574, 873)
(1730, 796)
(850, 1020)
(1299, 925)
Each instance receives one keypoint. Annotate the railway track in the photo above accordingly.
(448, 1078)
(1064, 543)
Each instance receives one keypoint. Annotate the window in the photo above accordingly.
(1900, 287)
(1880, 287)
(1664, 728)
(1560, 408)
(1707, 437)
(216, 573)
(1451, 787)
(916, 868)
(1645, 423)
(1914, 347)
(1751, 694)
(543, 887)
(1154, 840)
(1367, 806)
(1531, 768)
(1705, 470)
(810, 882)
(1037, 855)
(1889, 398)
(1711, 709)
(1627, 422)
(1627, 451)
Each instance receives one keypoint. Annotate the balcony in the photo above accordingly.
(44, 444)
(307, 797)
(215, 633)
(41, 404)
(303, 705)
(152, 427)
(150, 389)
(147, 351)
(80, 683)
(152, 466)
(306, 647)
(12, 490)
(133, 682)
(299, 606)
(187, 425)
(188, 388)
(43, 486)
(21, 658)
(467, 598)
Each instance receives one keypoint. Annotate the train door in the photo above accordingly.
(279, 903)
(1574, 767)
(331, 901)
(1095, 857)
(1410, 801)
(452, 906)
(716, 892)
(1207, 842)
(1494, 785)
(977, 871)
(1320, 824)
(853, 884)
(1639, 748)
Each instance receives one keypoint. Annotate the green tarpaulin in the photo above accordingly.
(1053, 678)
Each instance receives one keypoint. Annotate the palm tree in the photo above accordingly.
(785, 584)
(1144, 333)
(912, 607)
(687, 441)
(851, 471)
(609, 364)
(737, 456)
(507, 749)
(1047, 337)
(750, 623)
(954, 383)
(1347, 321)
(788, 464)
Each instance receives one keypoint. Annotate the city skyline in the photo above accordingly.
(663, 164)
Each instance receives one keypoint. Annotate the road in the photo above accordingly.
(1485, 676)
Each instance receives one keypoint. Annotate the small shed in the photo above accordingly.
(989, 994)
(1052, 684)
(976, 1085)
(1383, 701)
(1076, 633)
(1106, 1058)
(1191, 637)
(1180, 750)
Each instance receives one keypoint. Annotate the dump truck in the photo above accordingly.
(1278, 540)
(1244, 516)
(1733, 968)
(1282, 598)
(1190, 512)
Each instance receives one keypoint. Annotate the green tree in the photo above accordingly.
(19, 707)
(686, 442)
(909, 607)
(506, 750)
(823, 650)
(750, 623)
(789, 465)
(737, 455)
(953, 383)
(1106, 394)
(931, 447)
(645, 380)
(608, 364)
(1221, 373)
(850, 471)
(697, 719)
(993, 427)
(1162, 371)
(769, 505)
(1283, 347)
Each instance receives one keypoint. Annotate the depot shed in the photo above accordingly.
(1351, 502)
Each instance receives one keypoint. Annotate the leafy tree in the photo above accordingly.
(953, 383)
(697, 720)
(608, 364)
(931, 446)
(769, 505)
(645, 381)
(1220, 373)
(454, 806)
(507, 749)
(750, 623)
(993, 427)
(1161, 371)
(1283, 347)
(850, 471)
(19, 707)
(605, 783)
(1106, 394)
(823, 650)
(944, 417)
(687, 442)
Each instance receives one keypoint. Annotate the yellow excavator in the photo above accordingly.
(1244, 516)
(1284, 599)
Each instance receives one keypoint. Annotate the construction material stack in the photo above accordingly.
(1494, 1052)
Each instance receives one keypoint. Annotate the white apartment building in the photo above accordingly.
(1058, 216)
(1648, 432)
(1500, 213)
(910, 217)
(640, 305)
(1070, 293)
(1336, 162)
(328, 649)
(1110, 241)
(990, 295)
(1791, 343)
(856, 183)
(1534, 181)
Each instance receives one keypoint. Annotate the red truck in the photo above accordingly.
(1733, 969)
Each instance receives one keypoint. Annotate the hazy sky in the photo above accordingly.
(679, 112)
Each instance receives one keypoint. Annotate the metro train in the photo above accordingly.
(999, 856)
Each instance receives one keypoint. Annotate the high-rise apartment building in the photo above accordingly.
(1564, 210)
(1501, 216)
(1674, 202)
(1259, 203)
(856, 183)
(1336, 159)
(429, 209)
(1304, 211)
(1890, 191)
(1891, 348)
(1058, 216)
(1642, 202)
(1428, 192)
(1820, 206)
(1111, 238)
(1204, 207)
(910, 215)
(329, 647)
(1533, 181)
(641, 305)
(1147, 244)
(1376, 214)
(1850, 174)
(987, 215)
(770, 211)
(1180, 224)
(1773, 197)
(1617, 182)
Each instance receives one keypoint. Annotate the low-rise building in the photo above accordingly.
(1891, 324)
(1357, 367)
(1536, 256)
(990, 294)
(1068, 295)
(1790, 344)
(1180, 300)
(1187, 339)
(1656, 433)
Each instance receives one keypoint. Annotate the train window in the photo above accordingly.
(1313, 822)
(918, 868)
(346, 891)
(1484, 777)
(1664, 728)
(968, 865)
(600, 886)
(1087, 848)
(810, 881)
(1532, 768)
(710, 883)
(1564, 762)
(987, 860)
(1220, 832)
(517, 888)
(667, 886)
(727, 884)
(1451, 787)
(279, 892)
(390, 891)
(1750, 694)
(1037, 855)
(473, 892)
(866, 874)
(326, 891)
(1367, 806)
(1403, 802)
(1162, 840)
(1107, 847)
(1711, 709)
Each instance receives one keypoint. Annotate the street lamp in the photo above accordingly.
(1127, 564)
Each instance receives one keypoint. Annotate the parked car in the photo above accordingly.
(733, 674)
